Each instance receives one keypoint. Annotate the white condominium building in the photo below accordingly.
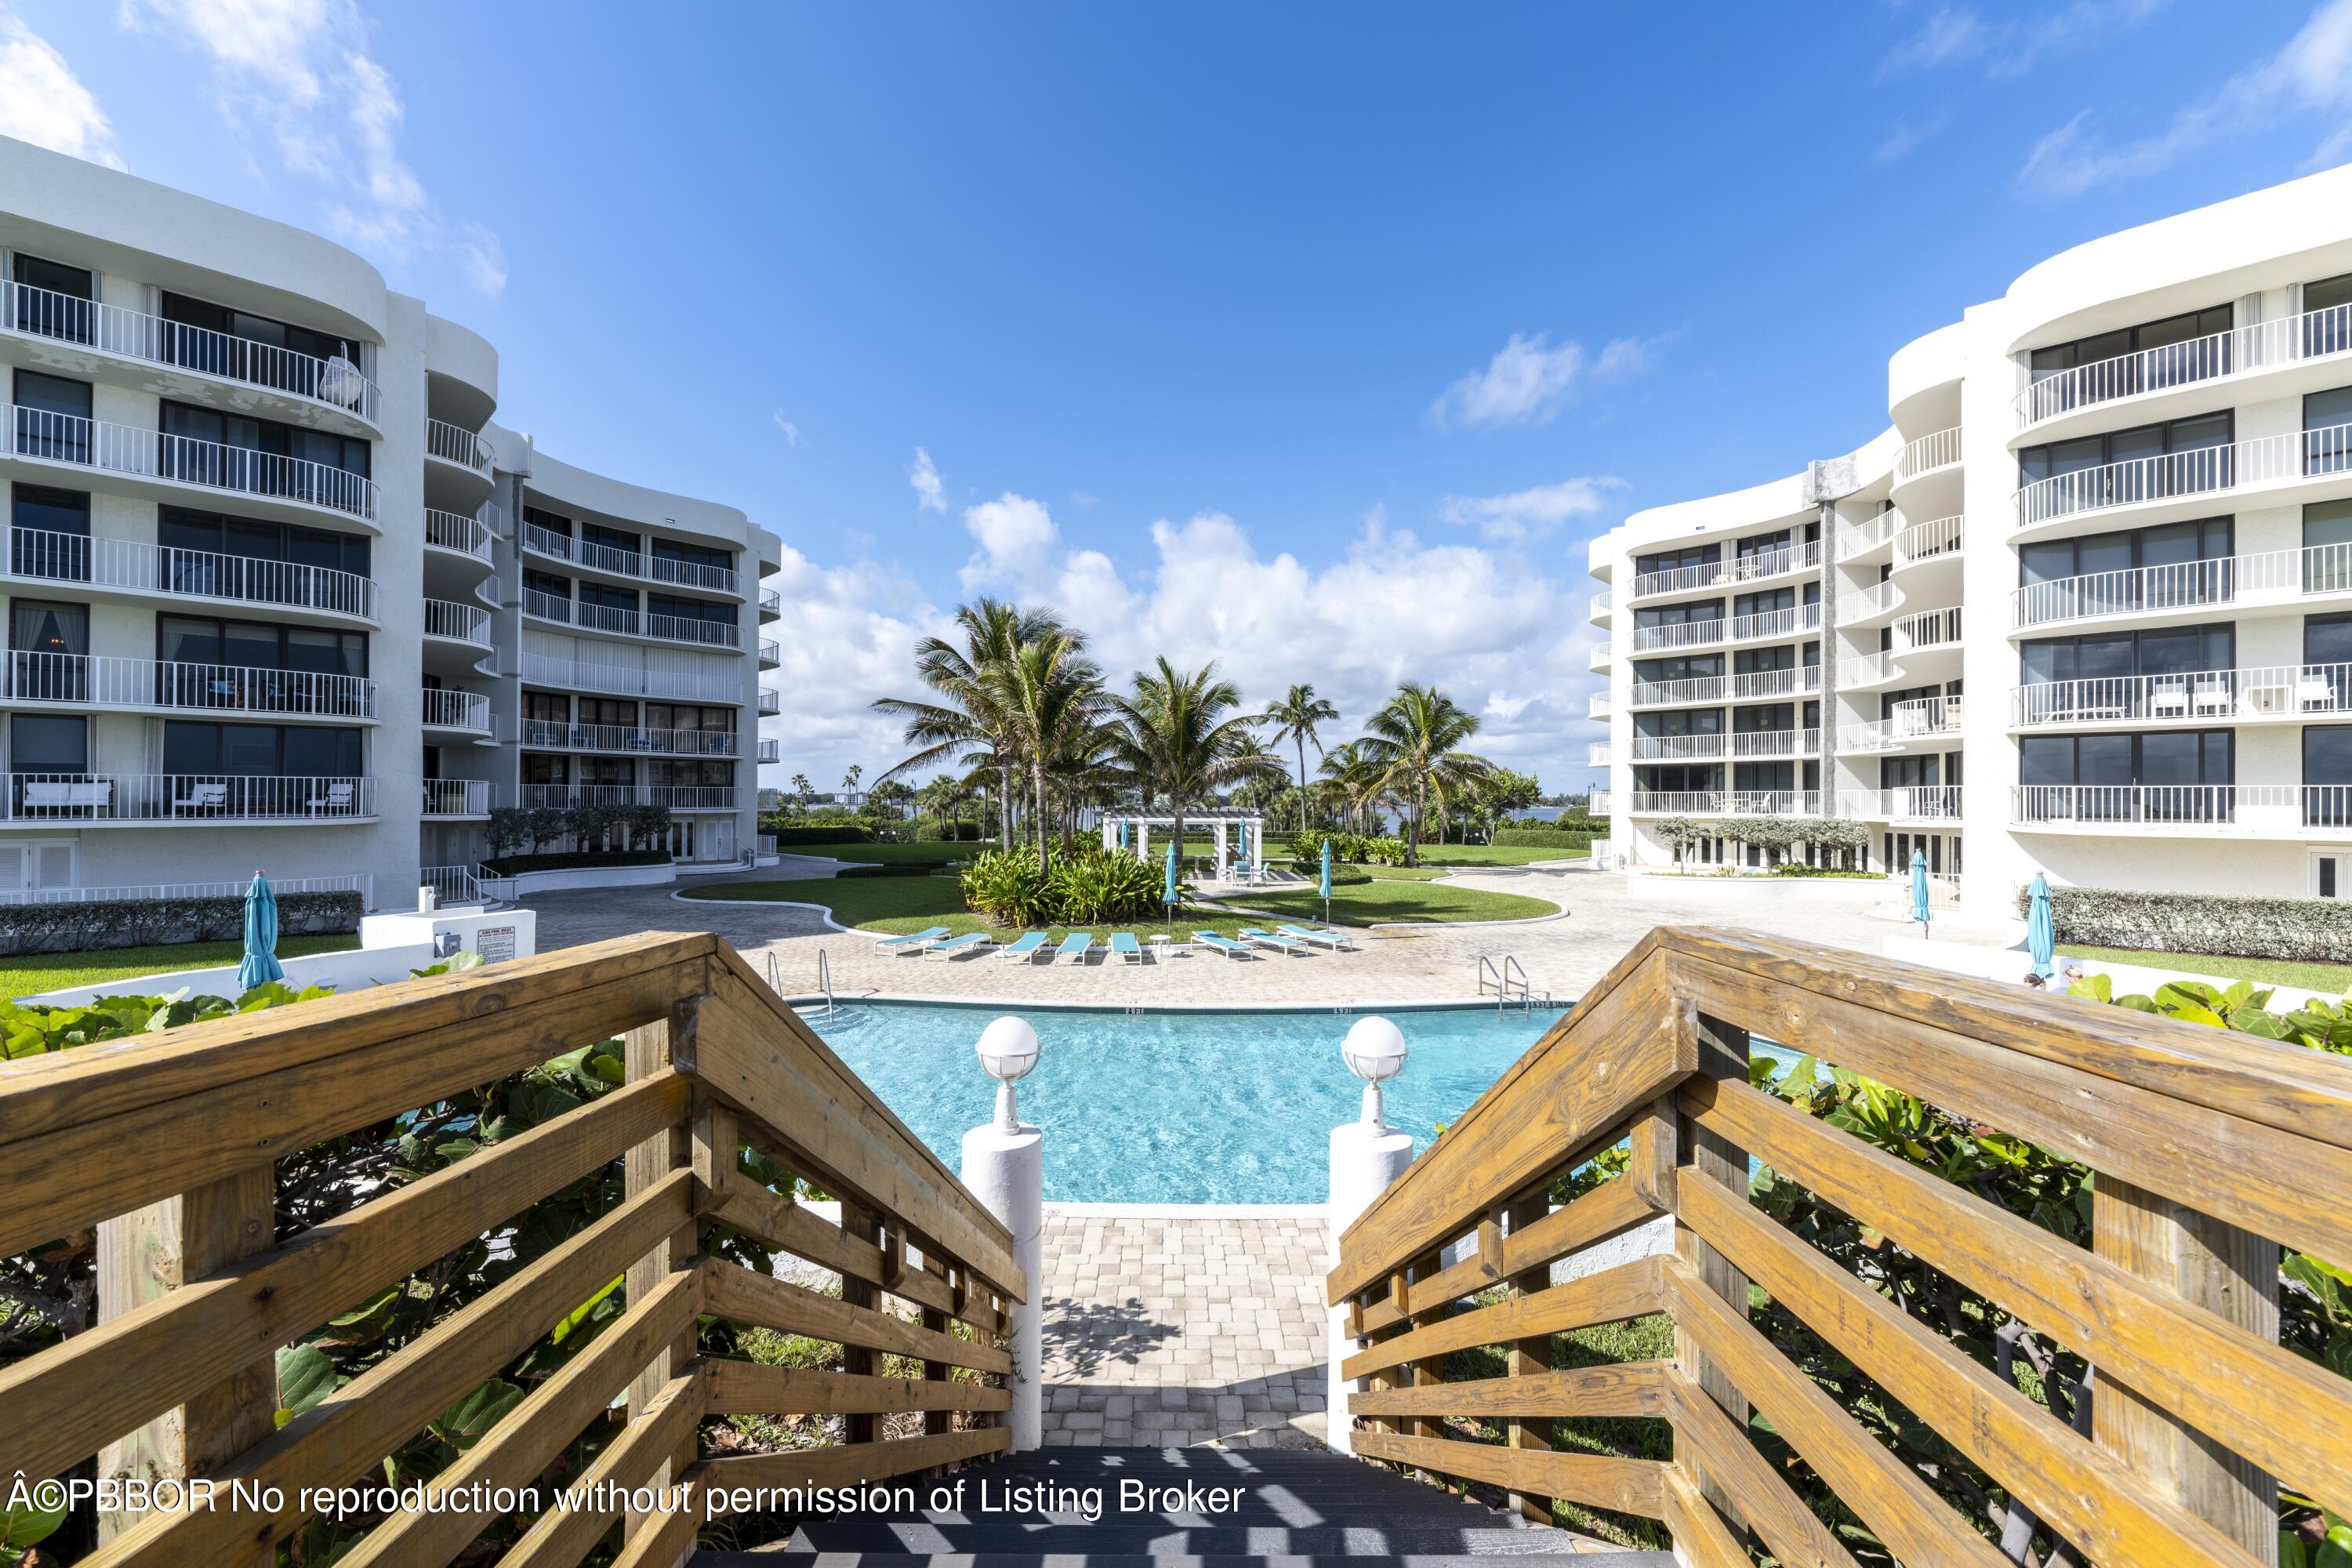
(2084, 609)
(281, 595)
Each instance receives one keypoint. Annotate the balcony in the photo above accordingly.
(92, 681)
(474, 538)
(1865, 607)
(451, 443)
(457, 800)
(50, 318)
(452, 622)
(1921, 719)
(445, 708)
(1927, 630)
(634, 680)
(1857, 540)
(1603, 653)
(362, 883)
(549, 735)
(772, 751)
(677, 797)
(1597, 754)
(2280, 811)
(1750, 568)
(2289, 692)
(1864, 671)
(1680, 634)
(1763, 626)
(2184, 590)
(772, 653)
(1773, 624)
(1595, 706)
(1937, 539)
(1743, 745)
(1752, 687)
(2265, 463)
(771, 703)
(185, 800)
(619, 621)
(127, 566)
(2316, 335)
(586, 557)
(772, 605)
(1599, 611)
(1927, 804)
(64, 448)
(1927, 454)
(1726, 803)
(1599, 803)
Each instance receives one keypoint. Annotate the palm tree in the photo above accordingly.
(1052, 698)
(849, 780)
(1295, 718)
(1413, 743)
(1353, 780)
(1180, 741)
(800, 789)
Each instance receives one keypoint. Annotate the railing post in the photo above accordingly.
(1524, 1358)
(1005, 1169)
(1702, 1155)
(1364, 1158)
(646, 1050)
(2231, 1272)
(856, 1360)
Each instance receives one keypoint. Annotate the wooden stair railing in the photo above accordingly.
(178, 1130)
(2209, 1148)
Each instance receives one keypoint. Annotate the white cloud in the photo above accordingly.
(1529, 380)
(42, 101)
(1016, 536)
(298, 71)
(1905, 135)
(1955, 36)
(1530, 513)
(2310, 76)
(792, 431)
(1083, 499)
(931, 494)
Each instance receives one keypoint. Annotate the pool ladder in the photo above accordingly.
(1506, 979)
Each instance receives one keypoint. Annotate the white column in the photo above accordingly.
(1364, 1160)
(1108, 843)
(1225, 855)
(1006, 1172)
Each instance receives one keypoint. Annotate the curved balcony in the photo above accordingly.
(1741, 569)
(2187, 589)
(772, 652)
(1928, 720)
(1868, 606)
(549, 735)
(2280, 811)
(1927, 630)
(1597, 754)
(66, 447)
(1859, 542)
(1743, 745)
(461, 712)
(1680, 634)
(1602, 656)
(634, 680)
(1599, 803)
(772, 751)
(187, 800)
(448, 443)
(582, 555)
(1937, 539)
(1929, 454)
(2290, 693)
(772, 605)
(1599, 609)
(2187, 481)
(457, 800)
(1862, 672)
(616, 621)
(452, 622)
(1596, 706)
(1726, 803)
(1928, 803)
(771, 703)
(134, 570)
(454, 533)
(2320, 339)
(86, 683)
(295, 382)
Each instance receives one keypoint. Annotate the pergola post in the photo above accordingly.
(1224, 855)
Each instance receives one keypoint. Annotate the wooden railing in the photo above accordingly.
(2209, 1149)
(176, 1133)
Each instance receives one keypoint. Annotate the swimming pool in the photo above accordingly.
(1174, 1107)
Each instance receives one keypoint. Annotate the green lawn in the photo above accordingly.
(888, 853)
(1497, 854)
(2331, 978)
(55, 970)
(1387, 902)
(1399, 873)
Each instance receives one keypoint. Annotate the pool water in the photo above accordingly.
(1175, 1107)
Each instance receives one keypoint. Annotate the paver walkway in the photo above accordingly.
(1173, 1331)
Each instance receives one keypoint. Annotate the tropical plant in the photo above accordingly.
(1414, 744)
(1294, 719)
(505, 831)
(1051, 701)
(800, 791)
(1180, 741)
(1353, 783)
(543, 825)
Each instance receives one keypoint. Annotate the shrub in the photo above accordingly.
(1006, 889)
(1084, 887)
(1342, 875)
(948, 833)
(1351, 847)
(161, 922)
(1541, 838)
(2230, 925)
(838, 833)
(578, 860)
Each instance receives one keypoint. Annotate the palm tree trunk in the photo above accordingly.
(1005, 808)
(1302, 783)
(1045, 819)
(1420, 813)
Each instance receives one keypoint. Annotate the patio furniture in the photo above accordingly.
(338, 798)
(1337, 941)
(945, 952)
(2313, 691)
(2168, 703)
(1076, 946)
(1123, 946)
(913, 941)
(1024, 949)
(1283, 945)
(198, 798)
(1224, 945)
(86, 795)
(2212, 696)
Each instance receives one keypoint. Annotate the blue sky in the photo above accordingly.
(1317, 339)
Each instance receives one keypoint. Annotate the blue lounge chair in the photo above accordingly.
(1290, 945)
(970, 942)
(1225, 945)
(1123, 946)
(1024, 948)
(1337, 941)
(1077, 945)
(913, 941)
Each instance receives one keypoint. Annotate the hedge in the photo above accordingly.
(894, 869)
(835, 833)
(514, 864)
(159, 922)
(1540, 838)
(2226, 925)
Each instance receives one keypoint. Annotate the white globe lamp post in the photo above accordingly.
(1374, 1051)
(1008, 1050)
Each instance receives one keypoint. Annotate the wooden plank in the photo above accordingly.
(649, 1050)
(1916, 1525)
(748, 1388)
(779, 1222)
(1704, 1157)
(833, 1128)
(1526, 1360)
(742, 1297)
(847, 1464)
(73, 1396)
(2081, 1493)
(2292, 1185)
(1627, 1290)
(857, 1295)
(1625, 1388)
(353, 1427)
(2225, 1275)
(1701, 1538)
(2218, 1377)
(667, 1537)
(1597, 1481)
(1705, 1439)
(1615, 1051)
(533, 1434)
(1576, 1225)
(559, 1538)
(75, 1175)
(936, 1423)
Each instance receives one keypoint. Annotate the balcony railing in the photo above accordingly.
(1597, 754)
(453, 443)
(1775, 742)
(451, 884)
(458, 623)
(772, 653)
(471, 536)
(102, 681)
(1728, 802)
(771, 603)
(1869, 669)
(1739, 569)
(55, 557)
(1739, 744)
(1596, 706)
(134, 335)
(636, 564)
(634, 680)
(1865, 603)
(1926, 541)
(1930, 629)
(1930, 802)
(187, 798)
(362, 883)
(2267, 691)
(1603, 653)
(2252, 808)
(447, 707)
(458, 797)
(1747, 687)
(1600, 802)
(701, 632)
(1862, 537)
(1785, 623)
(678, 797)
(552, 735)
(1602, 607)
(1928, 454)
(2272, 576)
(1678, 748)
(2198, 471)
(1679, 634)
(67, 438)
(772, 751)
(1919, 719)
(772, 702)
(2266, 345)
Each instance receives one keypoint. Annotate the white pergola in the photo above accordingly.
(1249, 833)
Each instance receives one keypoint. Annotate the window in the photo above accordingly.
(192, 748)
(235, 359)
(49, 743)
(2170, 567)
(1689, 667)
(542, 769)
(619, 540)
(2328, 776)
(610, 608)
(1685, 559)
(693, 774)
(52, 417)
(243, 432)
(54, 300)
(2120, 656)
(51, 533)
(2198, 351)
(1764, 778)
(2328, 315)
(2327, 431)
(681, 609)
(2180, 775)
(696, 562)
(1680, 615)
(1678, 778)
(45, 647)
(555, 522)
(1680, 721)
(251, 539)
(1911, 773)
(608, 711)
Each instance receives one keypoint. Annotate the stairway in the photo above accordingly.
(1289, 1507)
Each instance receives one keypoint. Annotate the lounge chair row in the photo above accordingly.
(935, 942)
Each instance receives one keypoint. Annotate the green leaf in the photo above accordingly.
(28, 1526)
(2335, 1551)
(305, 1377)
(465, 1423)
(583, 1313)
(366, 1322)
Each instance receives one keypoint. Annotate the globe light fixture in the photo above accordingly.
(1374, 1051)
(1008, 1050)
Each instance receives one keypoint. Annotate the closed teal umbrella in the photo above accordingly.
(1920, 886)
(2040, 929)
(260, 967)
(1122, 834)
(1324, 888)
(1167, 889)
